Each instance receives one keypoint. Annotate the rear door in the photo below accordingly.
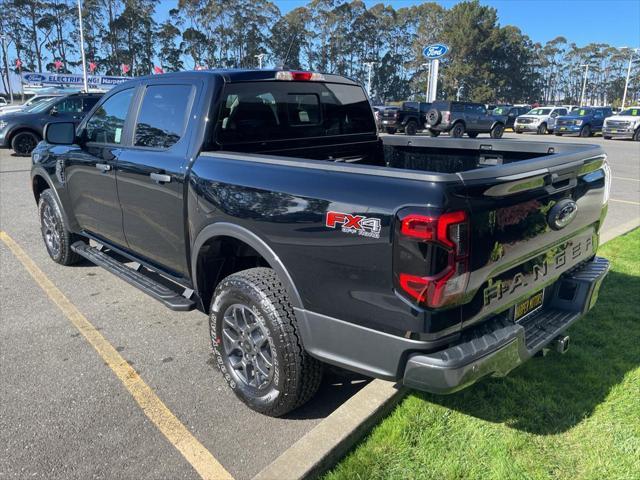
(151, 175)
(471, 117)
(531, 221)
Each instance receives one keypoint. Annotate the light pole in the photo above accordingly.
(84, 62)
(370, 65)
(428, 67)
(259, 57)
(3, 38)
(626, 83)
(584, 83)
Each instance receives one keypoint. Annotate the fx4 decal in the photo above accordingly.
(355, 224)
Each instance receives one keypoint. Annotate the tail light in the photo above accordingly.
(431, 257)
(447, 117)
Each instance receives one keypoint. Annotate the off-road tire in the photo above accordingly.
(434, 133)
(24, 142)
(51, 218)
(296, 375)
(472, 134)
(497, 131)
(457, 131)
(411, 128)
(433, 117)
(391, 131)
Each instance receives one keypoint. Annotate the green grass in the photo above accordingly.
(575, 416)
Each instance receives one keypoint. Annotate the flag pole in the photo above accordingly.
(84, 62)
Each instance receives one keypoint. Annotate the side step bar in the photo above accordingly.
(170, 298)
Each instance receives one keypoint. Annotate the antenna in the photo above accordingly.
(286, 57)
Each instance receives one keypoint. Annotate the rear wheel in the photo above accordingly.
(558, 134)
(257, 344)
(434, 133)
(411, 128)
(607, 137)
(542, 129)
(458, 130)
(391, 131)
(519, 132)
(23, 143)
(472, 134)
(57, 237)
(585, 131)
(497, 131)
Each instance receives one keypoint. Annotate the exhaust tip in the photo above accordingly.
(561, 343)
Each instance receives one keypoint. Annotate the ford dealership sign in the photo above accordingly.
(437, 50)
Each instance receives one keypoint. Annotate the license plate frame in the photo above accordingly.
(531, 305)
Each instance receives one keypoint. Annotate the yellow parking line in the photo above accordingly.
(191, 449)
(630, 202)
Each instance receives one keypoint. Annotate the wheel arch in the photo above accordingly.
(498, 122)
(224, 233)
(20, 129)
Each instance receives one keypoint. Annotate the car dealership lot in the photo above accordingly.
(63, 412)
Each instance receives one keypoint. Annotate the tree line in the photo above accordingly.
(487, 62)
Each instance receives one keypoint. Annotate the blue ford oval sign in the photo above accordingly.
(434, 51)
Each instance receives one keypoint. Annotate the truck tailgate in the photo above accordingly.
(531, 221)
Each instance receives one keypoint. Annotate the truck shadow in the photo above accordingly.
(550, 395)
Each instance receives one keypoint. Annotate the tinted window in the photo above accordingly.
(163, 115)
(70, 105)
(89, 102)
(107, 122)
(470, 109)
(290, 110)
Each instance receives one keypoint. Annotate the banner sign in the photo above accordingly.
(95, 81)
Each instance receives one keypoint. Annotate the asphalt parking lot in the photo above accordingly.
(65, 414)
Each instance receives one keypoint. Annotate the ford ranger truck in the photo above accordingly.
(267, 200)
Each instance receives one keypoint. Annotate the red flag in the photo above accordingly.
(18, 63)
(92, 66)
(57, 64)
(157, 70)
(125, 68)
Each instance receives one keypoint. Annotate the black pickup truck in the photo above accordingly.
(267, 200)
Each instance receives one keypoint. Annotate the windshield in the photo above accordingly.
(631, 112)
(501, 111)
(41, 106)
(540, 111)
(582, 112)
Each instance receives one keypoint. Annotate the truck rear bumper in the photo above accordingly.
(506, 344)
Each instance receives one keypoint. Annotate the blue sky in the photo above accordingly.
(616, 22)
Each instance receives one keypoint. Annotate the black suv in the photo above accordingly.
(459, 118)
(409, 119)
(23, 130)
(510, 112)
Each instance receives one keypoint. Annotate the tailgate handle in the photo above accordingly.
(561, 182)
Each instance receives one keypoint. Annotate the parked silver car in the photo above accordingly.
(540, 120)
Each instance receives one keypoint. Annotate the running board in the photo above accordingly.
(170, 298)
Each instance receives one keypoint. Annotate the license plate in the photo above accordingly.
(613, 130)
(530, 305)
(563, 128)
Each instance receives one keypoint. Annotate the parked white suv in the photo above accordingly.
(29, 103)
(624, 125)
(540, 120)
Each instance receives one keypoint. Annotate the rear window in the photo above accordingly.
(260, 111)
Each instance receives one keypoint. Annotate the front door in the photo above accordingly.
(151, 176)
(90, 169)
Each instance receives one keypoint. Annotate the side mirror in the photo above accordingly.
(60, 133)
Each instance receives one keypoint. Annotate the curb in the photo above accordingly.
(333, 437)
(328, 441)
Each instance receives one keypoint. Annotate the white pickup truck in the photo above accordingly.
(541, 120)
(624, 125)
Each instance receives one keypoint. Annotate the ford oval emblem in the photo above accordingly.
(437, 50)
(562, 214)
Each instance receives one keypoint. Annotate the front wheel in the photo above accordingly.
(257, 344)
(497, 131)
(57, 237)
(607, 137)
(458, 130)
(23, 143)
(391, 131)
(636, 135)
(585, 131)
(542, 129)
(411, 128)
(434, 133)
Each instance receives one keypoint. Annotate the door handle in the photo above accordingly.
(103, 167)
(160, 177)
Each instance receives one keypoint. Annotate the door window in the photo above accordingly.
(107, 122)
(69, 105)
(163, 115)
